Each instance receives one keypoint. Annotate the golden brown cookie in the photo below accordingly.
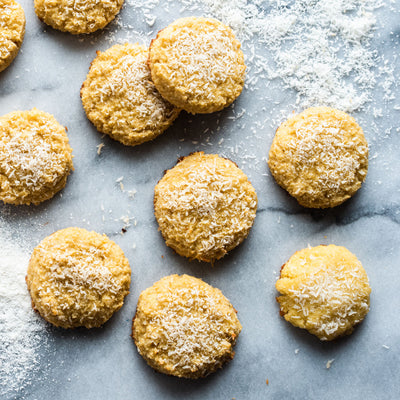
(121, 100)
(197, 64)
(325, 290)
(12, 31)
(320, 157)
(205, 206)
(77, 16)
(185, 327)
(35, 157)
(78, 278)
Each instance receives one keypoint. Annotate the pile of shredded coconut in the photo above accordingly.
(22, 333)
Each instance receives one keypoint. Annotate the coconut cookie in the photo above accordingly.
(197, 64)
(121, 100)
(35, 157)
(185, 327)
(205, 206)
(78, 278)
(77, 16)
(325, 290)
(12, 31)
(320, 157)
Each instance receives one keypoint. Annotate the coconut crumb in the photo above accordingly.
(99, 148)
(329, 363)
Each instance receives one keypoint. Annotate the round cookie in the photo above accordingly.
(77, 16)
(35, 157)
(325, 290)
(320, 157)
(12, 31)
(78, 278)
(185, 327)
(197, 64)
(120, 99)
(205, 206)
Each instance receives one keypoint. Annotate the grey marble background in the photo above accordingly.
(103, 363)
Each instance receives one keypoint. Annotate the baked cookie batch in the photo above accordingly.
(205, 206)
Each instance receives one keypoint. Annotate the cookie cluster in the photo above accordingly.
(205, 205)
(134, 94)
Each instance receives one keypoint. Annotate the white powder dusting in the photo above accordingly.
(22, 332)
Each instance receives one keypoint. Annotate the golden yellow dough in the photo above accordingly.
(185, 327)
(205, 206)
(320, 157)
(325, 290)
(35, 157)
(77, 16)
(78, 278)
(121, 100)
(12, 31)
(197, 64)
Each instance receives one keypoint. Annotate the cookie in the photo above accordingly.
(78, 278)
(325, 290)
(12, 31)
(120, 99)
(185, 327)
(77, 16)
(197, 64)
(205, 206)
(35, 157)
(320, 157)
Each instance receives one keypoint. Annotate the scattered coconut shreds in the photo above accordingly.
(385, 346)
(296, 351)
(99, 148)
(329, 363)
(131, 193)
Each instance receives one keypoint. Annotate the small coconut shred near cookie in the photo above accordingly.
(77, 16)
(185, 327)
(78, 278)
(320, 157)
(205, 206)
(120, 98)
(325, 290)
(197, 64)
(12, 31)
(35, 157)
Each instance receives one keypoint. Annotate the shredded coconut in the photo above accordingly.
(321, 49)
(329, 363)
(22, 332)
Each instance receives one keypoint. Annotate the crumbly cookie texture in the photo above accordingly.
(197, 64)
(35, 157)
(12, 31)
(77, 16)
(78, 278)
(320, 157)
(120, 98)
(325, 290)
(185, 327)
(205, 206)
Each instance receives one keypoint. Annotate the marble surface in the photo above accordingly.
(103, 363)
